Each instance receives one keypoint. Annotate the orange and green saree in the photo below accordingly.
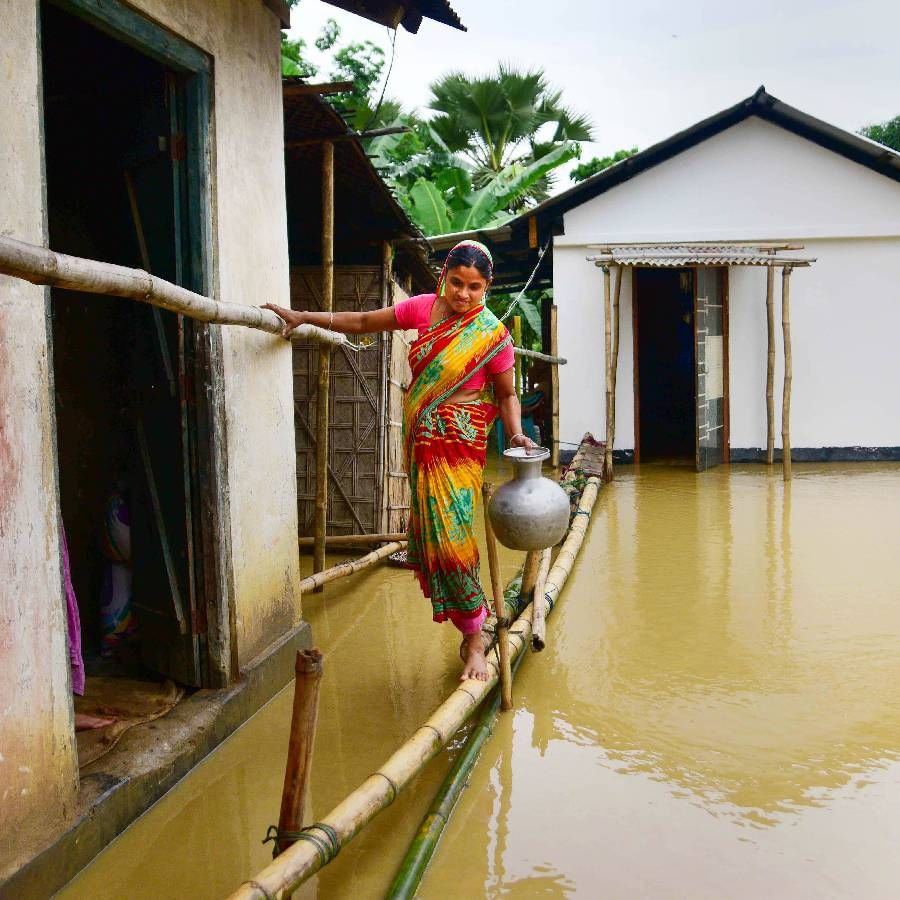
(445, 447)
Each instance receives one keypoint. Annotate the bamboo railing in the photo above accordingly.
(286, 873)
(74, 273)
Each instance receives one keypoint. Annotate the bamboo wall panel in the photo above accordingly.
(356, 399)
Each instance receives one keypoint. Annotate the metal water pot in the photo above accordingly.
(530, 512)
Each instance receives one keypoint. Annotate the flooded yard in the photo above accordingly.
(717, 713)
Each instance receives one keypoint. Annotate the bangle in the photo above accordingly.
(520, 434)
(331, 322)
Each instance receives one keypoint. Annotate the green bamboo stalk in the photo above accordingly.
(412, 869)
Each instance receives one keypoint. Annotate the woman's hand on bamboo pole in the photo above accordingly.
(370, 322)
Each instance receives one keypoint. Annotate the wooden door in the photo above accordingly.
(357, 405)
(711, 358)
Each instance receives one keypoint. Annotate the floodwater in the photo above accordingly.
(717, 713)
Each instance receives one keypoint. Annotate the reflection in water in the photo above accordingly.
(717, 713)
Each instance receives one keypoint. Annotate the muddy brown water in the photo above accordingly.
(717, 713)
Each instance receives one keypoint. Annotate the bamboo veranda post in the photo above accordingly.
(614, 366)
(39, 265)
(308, 669)
(499, 603)
(538, 625)
(788, 371)
(378, 791)
(322, 414)
(770, 365)
(554, 391)
(607, 329)
(318, 580)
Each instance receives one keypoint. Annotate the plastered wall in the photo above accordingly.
(37, 754)
(753, 182)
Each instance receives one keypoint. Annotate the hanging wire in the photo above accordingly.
(387, 78)
(521, 293)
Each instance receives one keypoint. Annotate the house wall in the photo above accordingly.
(38, 767)
(753, 182)
(38, 770)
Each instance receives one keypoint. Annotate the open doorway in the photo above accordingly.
(666, 415)
(131, 447)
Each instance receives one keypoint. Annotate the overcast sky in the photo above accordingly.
(644, 69)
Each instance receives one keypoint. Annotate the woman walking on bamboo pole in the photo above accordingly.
(462, 366)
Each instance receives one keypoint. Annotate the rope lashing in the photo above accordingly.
(326, 850)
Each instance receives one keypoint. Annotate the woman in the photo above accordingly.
(462, 368)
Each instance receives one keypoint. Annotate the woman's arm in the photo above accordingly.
(344, 322)
(510, 411)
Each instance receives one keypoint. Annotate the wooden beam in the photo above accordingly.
(322, 416)
(306, 90)
(788, 371)
(770, 365)
(355, 540)
(614, 366)
(349, 136)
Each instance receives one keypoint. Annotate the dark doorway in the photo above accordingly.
(664, 350)
(125, 374)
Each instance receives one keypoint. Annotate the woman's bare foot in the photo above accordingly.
(472, 652)
(85, 722)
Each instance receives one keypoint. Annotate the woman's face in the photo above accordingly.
(464, 288)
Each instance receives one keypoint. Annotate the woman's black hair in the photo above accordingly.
(467, 255)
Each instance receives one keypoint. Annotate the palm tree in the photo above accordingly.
(494, 122)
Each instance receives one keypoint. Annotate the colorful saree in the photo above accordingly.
(445, 453)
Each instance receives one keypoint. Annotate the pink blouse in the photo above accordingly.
(416, 313)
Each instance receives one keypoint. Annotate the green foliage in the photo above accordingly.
(293, 60)
(887, 133)
(598, 164)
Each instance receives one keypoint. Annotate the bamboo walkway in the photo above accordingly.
(324, 839)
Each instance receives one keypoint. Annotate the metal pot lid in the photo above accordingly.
(539, 454)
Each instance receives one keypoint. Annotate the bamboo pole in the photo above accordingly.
(770, 365)
(517, 341)
(320, 519)
(551, 357)
(788, 371)
(39, 265)
(529, 574)
(415, 862)
(554, 390)
(614, 366)
(308, 669)
(285, 874)
(506, 702)
(355, 540)
(319, 579)
(538, 626)
(607, 330)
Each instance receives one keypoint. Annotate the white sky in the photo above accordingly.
(645, 69)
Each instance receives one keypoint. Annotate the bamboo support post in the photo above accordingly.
(538, 625)
(506, 702)
(554, 390)
(308, 669)
(613, 366)
(788, 371)
(517, 342)
(529, 574)
(770, 365)
(355, 540)
(607, 331)
(285, 874)
(318, 580)
(322, 413)
(39, 265)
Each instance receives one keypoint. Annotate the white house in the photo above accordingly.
(759, 173)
